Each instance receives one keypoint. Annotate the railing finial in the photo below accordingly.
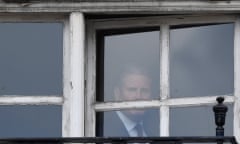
(220, 113)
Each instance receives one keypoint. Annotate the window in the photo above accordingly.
(31, 80)
(76, 92)
(201, 57)
(193, 60)
(42, 78)
(31, 59)
(141, 48)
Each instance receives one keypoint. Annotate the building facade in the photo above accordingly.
(60, 58)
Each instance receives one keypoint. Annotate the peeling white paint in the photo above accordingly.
(237, 80)
(77, 103)
(30, 100)
(126, 6)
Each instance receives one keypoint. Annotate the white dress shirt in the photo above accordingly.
(130, 125)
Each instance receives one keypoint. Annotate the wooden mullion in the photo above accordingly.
(164, 79)
(237, 80)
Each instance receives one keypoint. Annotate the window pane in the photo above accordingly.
(122, 123)
(201, 60)
(31, 58)
(132, 56)
(31, 121)
(197, 121)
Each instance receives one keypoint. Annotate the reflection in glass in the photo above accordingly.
(139, 50)
(30, 121)
(31, 58)
(197, 121)
(201, 60)
(128, 123)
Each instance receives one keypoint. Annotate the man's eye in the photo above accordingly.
(145, 90)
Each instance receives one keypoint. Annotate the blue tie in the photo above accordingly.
(139, 129)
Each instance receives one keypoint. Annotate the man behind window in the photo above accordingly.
(133, 84)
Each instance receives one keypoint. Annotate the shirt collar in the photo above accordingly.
(128, 123)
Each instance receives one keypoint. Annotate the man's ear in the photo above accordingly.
(117, 94)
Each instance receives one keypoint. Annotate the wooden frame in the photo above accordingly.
(74, 73)
(237, 80)
(124, 6)
(72, 100)
(165, 103)
(79, 70)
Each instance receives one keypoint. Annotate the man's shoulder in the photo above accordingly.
(113, 125)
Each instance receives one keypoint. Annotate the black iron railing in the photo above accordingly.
(121, 140)
(220, 112)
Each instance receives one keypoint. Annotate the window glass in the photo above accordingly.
(31, 58)
(131, 65)
(197, 121)
(201, 60)
(124, 123)
(30, 121)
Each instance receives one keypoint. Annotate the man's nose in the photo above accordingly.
(138, 94)
(141, 95)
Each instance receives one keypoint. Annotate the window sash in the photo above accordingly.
(236, 122)
(164, 22)
(40, 99)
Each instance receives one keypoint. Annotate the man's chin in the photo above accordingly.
(136, 115)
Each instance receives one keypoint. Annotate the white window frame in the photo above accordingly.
(79, 70)
(74, 64)
(72, 100)
(165, 102)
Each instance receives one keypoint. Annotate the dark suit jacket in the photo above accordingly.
(113, 126)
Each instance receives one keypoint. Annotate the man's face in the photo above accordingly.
(134, 87)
